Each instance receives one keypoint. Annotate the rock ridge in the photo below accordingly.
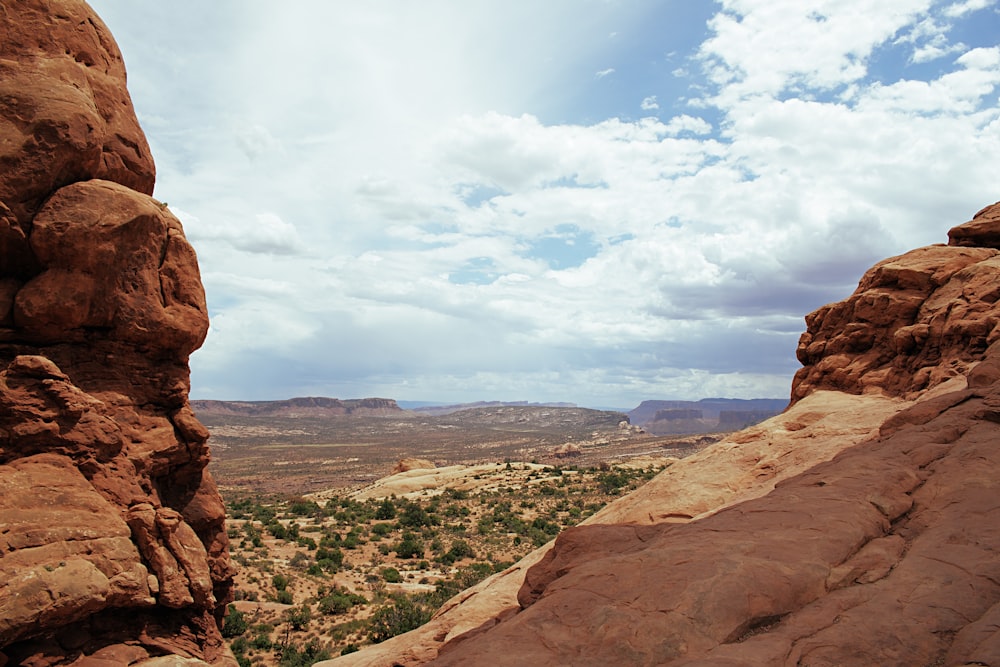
(113, 547)
(307, 406)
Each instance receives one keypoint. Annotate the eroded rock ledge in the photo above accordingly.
(112, 539)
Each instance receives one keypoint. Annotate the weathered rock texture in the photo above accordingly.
(113, 547)
(860, 527)
(915, 320)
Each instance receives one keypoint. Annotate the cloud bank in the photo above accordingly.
(441, 201)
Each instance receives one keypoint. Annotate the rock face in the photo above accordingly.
(914, 322)
(113, 547)
(860, 527)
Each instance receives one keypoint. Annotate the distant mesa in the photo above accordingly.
(310, 406)
(438, 410)
(708, 415)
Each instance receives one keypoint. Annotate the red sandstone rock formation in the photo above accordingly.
(915, 320)
(112, 536)
(408, 464)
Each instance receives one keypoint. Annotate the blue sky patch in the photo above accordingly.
(566, 247)
(476, 271)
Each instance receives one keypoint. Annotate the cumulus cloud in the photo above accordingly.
(262, 233)
(962, 8)
(404, 215)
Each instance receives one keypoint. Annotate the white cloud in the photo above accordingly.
(256, 140)
(959, 9)
(938, 47)
(765, 48)
(600, 74)
(371, 207)
(261, 233)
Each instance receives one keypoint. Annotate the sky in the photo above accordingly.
(590, 201)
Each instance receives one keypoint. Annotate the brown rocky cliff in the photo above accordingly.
(112, 534)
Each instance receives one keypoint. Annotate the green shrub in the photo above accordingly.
(335, 604)
(612, 482)
(310, 654)
(234, 624)
(401, 616)
(278, 530)
(415, 516)
(329, 559)
(410, 546)
(387, 510)
(299, 617)
(391, 575)
(305, 508)
(382, 529)
(459, 549)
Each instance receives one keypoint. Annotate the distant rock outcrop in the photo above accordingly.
(567, 450)
(113, 547)
(408, 464)
(859, 527)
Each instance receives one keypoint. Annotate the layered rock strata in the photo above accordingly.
(859, 527)
(113, 547)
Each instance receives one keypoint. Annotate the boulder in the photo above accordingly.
(65, 112)
(567, 450)
(406, 465)
(914, 322)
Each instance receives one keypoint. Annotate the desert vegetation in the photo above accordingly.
(320, 577)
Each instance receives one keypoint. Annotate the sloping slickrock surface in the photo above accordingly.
(113, 547)
(886, 555)
(744, 465)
